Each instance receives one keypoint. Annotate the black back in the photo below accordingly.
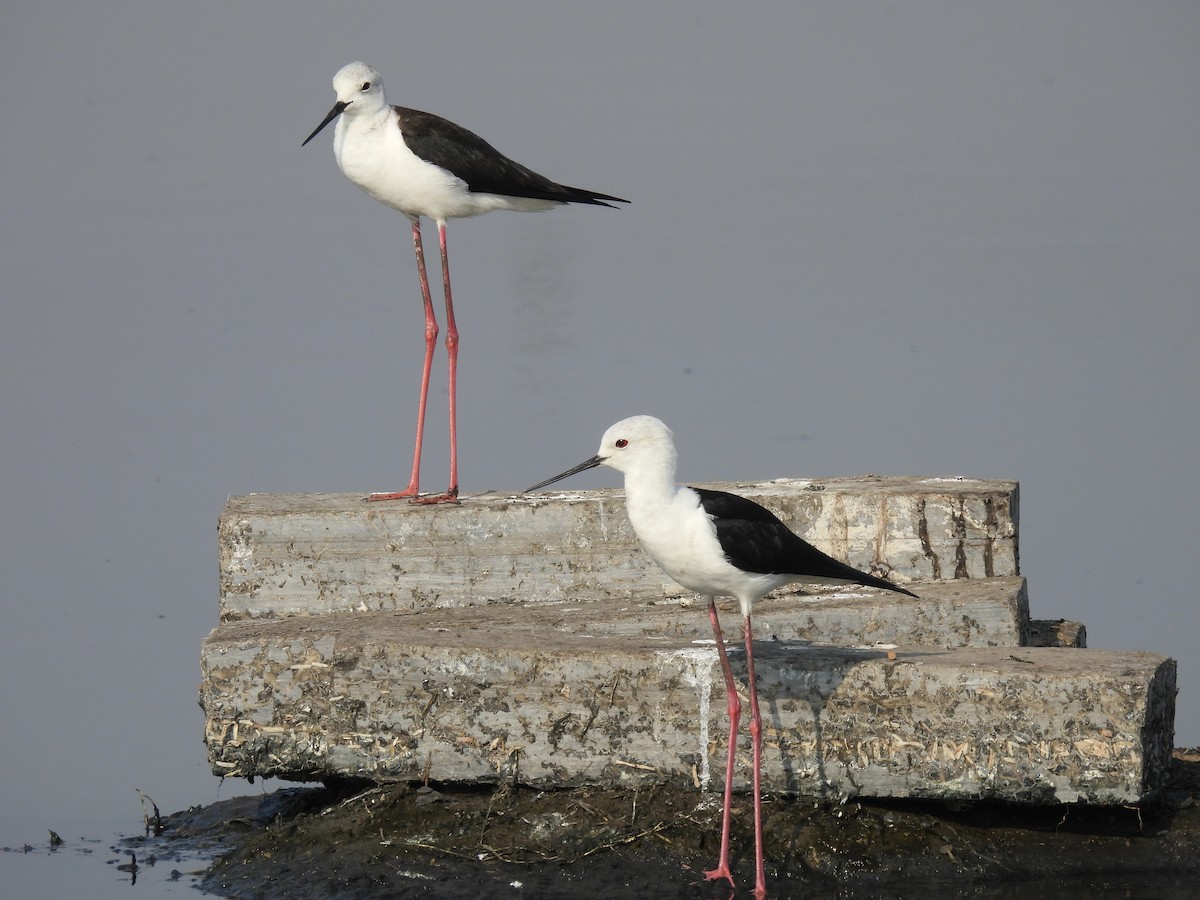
(484, 168)
(755, 540)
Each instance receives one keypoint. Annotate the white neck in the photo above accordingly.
(650, 488)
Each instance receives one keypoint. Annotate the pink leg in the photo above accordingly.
(431, 333)
(451, 495)
(760, 882)
(735, 714)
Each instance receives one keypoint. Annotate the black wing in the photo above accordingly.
(755, 540)
(484, 168)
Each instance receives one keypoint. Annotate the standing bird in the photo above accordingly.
(718, 545)
(423, 165)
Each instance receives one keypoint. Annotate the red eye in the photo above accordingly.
(622, 443)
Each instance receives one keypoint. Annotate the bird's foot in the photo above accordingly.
(410, 491)
(412, 495)
(721, 871)
(451, 496)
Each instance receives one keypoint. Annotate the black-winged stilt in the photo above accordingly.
(423, 165)
(718, 545)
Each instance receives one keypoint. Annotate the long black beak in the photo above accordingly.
(333, 114)
(582, 467)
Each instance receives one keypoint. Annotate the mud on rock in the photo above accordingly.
(363, 840)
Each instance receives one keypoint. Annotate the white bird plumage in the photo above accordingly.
(717, 544)
(371, 151)
(424, 165)
(698, 536)
(670, 520)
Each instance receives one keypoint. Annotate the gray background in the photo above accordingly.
(921, 238)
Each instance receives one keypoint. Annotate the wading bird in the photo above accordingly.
(423, 165)
(718, 545)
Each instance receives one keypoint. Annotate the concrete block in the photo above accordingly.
(990, 612)
(1056, 633)
(484, 694)
(310, 554)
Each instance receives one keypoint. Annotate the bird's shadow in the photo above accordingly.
(790, 672)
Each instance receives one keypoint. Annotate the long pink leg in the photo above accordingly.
(760, 882)
(451, 495)
(735, 714)
(431, 333)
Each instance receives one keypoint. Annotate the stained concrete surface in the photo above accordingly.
(561, 698)
(286, 554)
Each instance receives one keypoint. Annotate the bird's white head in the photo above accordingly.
(359, 92)
(640, 447)
(359, 86)
(636, 444)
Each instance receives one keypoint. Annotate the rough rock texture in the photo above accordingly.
(284, 554)
(528, 640)
(493, 694)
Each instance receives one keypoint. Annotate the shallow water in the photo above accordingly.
(880, 238)
(88, 867)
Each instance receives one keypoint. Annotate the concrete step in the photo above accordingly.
(991, 612)
(1056, 633)
(604, 693)
(310, 554)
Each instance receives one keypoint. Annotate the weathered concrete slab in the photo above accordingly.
(486, 694)
(1056, 633)
(990, 612)
(986, 612)
(289, 554)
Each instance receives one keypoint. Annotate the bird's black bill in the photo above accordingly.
(333, 114)
(582, 467)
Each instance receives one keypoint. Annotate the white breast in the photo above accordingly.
(682, 539)
(371, 152)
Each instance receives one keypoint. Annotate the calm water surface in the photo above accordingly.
(923, 238)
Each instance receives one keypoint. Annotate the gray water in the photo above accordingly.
(922, 238)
